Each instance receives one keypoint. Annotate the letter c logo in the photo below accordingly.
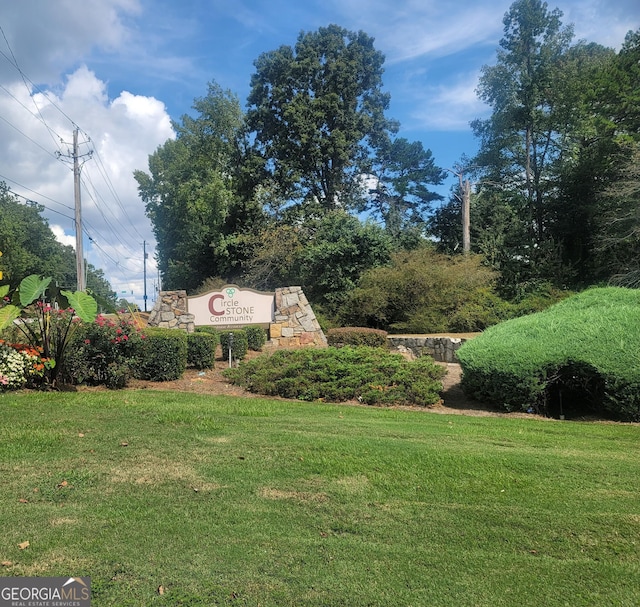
(211, 306)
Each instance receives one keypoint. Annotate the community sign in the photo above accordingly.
(232, 306)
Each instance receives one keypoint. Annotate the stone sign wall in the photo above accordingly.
(293, 322)
(170, 312)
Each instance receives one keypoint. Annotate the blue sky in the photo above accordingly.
(122, 69)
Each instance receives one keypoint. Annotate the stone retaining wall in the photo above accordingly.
(441, 348)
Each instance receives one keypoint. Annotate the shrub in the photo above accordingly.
(104, 352)
(201, 349)
(357, 336)
(423, 291)
(574, 355)
(370, 375)
(163, 355)
(208, 329)
(236, 340)
(256, 338)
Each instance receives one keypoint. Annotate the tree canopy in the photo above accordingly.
(29, 247)
(317, 111)
(312, 185)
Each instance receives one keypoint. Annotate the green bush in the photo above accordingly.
(201, 350)
(423, 291)
(210, 330)
(371, 375)
(579, 355)
(256, 338)
(164, 355)
(104, 352)
(357, 336)
(235, 340)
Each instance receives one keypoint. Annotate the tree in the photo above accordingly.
(317, 111)
(193, 194)
(400, 196)
(618, 248)
(522, 140)
(340, 248)
(423, 291)
(30, 247)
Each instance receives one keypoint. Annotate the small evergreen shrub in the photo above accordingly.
(357, 336)
(201, 350)
(163, 355)
(371, 375)
(236, 340)
(256, 338)
(575, 357)
(210, 330)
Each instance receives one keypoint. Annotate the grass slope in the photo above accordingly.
(587, 345)
(188, 500)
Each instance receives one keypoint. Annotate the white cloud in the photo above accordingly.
(61, 236)
(123, 132)
(46, 36)
(449, 106)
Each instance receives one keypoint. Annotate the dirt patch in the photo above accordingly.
(298, 496)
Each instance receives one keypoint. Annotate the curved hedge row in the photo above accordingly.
(580, 355)
(371, 375)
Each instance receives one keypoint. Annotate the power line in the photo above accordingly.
(24, 80)
(13, 126)
(99, 202)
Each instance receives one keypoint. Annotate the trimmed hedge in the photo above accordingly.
(201, 349)
(239, 345)
(357, 336)
(163, 355)
(370, 375)
(578, 356)
(256, 337)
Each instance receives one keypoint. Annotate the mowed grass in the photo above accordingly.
(175, 499)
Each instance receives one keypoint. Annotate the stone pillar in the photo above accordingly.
(294, 323)
(170, 312)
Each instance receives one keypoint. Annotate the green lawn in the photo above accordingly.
(175, 499)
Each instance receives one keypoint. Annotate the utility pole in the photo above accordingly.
(75, 157)
(144, 250)
(78, 215)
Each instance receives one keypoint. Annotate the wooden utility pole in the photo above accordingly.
(465, 187)
(144, 266)
(78, 215)
(75, 156)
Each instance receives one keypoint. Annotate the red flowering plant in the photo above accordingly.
(47, 318)
(105, 352)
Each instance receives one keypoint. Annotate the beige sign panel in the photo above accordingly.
(232, 306)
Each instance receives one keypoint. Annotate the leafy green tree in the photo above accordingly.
(401, 175)
(192, 195)
(317, 111)
(340, 248)
(523, 138)
(30, 247)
